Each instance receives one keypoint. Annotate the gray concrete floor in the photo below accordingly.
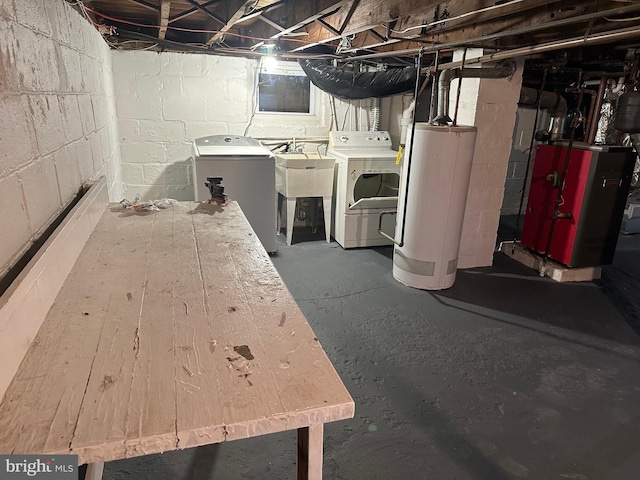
(504, 376)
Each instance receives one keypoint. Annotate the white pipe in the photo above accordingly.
(619, 86)
(447, 75)
(407, 116)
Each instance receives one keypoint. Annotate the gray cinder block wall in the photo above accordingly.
(517, 168)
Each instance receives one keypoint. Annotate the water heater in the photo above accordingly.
(431, 209)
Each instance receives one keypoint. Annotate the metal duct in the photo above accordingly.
(551, 101)
(446, 76)
(357, 85)
(375, 115)
(605, 131)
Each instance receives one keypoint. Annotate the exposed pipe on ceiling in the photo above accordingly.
(595, 39)
(555, 104)
(591, 114)
(519, 31)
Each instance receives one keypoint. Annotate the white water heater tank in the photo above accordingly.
(438, 177)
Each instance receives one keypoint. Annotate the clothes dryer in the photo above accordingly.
(367, 180)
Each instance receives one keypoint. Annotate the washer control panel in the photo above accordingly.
(360, 140)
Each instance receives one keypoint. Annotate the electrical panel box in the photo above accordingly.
(592, 202)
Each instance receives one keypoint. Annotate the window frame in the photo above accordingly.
(284, 68)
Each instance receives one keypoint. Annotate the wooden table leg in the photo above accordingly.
(310, 452)
(291, 216)
(94, 471)
(326, 205)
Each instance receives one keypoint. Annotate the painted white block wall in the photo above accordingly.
(490, 105)
(166, 100)
(58, 126)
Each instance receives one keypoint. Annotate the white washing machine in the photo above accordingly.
(367, 181)
(248, 172)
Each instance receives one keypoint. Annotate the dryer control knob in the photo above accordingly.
(344, 138)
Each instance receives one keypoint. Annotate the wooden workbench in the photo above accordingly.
(173, 330)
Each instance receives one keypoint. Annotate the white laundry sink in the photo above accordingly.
(304, 175)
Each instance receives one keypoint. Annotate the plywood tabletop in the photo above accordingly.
(173, 330)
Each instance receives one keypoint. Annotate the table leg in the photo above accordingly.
(279, 213)
(326, 206)
(94, 471)
(291, 216)
(310, 452)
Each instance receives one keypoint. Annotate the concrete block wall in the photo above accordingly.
(517, 168)
(166, 100)
(58, 126)
(490, 105)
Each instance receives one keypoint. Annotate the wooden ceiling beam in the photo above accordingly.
(303, 23)
(209, 13)
(165, 8)
(325, 40)
(327, 11)
(346, 19)
(410, 13)
(484, 31)
(147, 5)
(462, 13)
(335, 31)
(373, 32)
(191, 11)
(261, 11)
(240, 12)
(268, 21)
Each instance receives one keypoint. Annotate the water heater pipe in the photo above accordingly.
(591, 114)
(407, 164)
(432, 102)
(447, 76)
(407, 117)
(556, 105)
(459, 89)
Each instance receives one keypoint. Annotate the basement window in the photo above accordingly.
(283, 88)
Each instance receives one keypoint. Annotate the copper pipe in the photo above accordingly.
(590, 113)
(593, 126)
(601, 90)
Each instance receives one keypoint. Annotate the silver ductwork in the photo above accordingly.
(555, 104)
(446, 77)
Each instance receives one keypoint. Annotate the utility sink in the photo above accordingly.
(304, 175)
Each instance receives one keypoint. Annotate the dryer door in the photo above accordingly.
(374, 190)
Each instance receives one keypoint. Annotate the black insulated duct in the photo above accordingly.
(357, 85)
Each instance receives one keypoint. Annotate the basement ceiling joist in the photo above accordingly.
(353, 28)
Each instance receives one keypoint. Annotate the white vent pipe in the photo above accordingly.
(446, 76)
